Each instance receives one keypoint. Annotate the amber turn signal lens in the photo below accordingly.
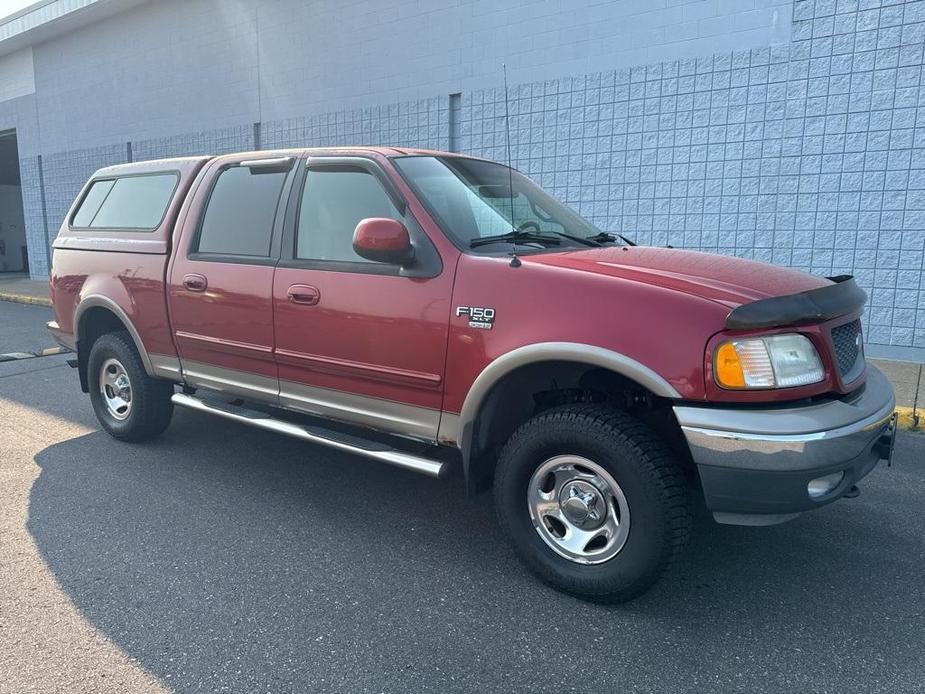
(729, 372)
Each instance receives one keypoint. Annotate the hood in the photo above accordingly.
(724, 279)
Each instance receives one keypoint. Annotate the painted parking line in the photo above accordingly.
(47, 352)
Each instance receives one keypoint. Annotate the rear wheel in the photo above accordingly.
(593, 501)
(129, 404)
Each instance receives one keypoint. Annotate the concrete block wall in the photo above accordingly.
(788, 132)
(808, 154)
(219, 141)
(420, 123)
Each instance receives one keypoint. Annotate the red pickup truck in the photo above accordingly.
(439, 312)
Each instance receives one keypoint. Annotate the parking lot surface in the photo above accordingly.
(22, 328)
(220, 558)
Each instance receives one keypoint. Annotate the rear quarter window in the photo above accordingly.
(131, 202)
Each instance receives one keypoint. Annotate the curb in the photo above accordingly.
(47, 352)
(909, 419)
(25, 299)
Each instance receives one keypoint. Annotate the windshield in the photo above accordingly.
(472, 200)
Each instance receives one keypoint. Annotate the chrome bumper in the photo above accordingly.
(755, 463)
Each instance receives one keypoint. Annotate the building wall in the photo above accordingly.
(786, 131)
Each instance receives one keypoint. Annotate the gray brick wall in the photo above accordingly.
(782, 131)
(221, 141)
(169, 67)
(421, 123)
(805, 154)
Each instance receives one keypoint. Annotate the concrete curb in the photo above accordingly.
(909, 419)
(47, 352)
(25, 299)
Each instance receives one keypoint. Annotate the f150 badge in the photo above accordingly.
(479, 317)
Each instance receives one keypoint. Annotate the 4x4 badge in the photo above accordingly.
(479, 317)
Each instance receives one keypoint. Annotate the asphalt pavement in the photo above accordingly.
(22, 328)
(220, 558)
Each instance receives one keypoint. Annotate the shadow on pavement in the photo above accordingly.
(224, 557)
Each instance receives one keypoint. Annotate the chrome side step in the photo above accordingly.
(343, 442)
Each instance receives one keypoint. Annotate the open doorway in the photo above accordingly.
(13, 254)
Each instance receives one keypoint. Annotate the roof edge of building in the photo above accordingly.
(46, 19)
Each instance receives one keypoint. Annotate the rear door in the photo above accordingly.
(221, 276)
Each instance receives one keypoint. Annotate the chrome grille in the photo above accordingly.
(848, 353)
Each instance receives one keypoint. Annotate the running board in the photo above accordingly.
(315, 434)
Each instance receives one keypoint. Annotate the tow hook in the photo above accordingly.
(852, 493)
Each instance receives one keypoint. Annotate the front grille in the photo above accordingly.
(846, 340)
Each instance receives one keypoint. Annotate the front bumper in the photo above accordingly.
(755, 464)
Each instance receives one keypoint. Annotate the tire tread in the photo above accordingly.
(655, 461)
(150, 398)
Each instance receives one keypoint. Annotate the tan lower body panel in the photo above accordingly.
(385, 415)
(165, 366)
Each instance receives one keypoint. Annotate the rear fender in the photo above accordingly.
(97, 300)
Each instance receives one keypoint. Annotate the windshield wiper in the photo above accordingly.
(606, 237)
(583, 240)
(516, 237)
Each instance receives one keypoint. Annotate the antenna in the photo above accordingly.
(515, 261)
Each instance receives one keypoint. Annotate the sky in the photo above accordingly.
(8, 7)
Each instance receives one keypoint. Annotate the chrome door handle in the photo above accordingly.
(195, 283)
(304, 294)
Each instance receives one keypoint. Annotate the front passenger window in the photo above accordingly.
(334, 201)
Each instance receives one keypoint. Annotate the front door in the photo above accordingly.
(358, 341)
(221, 278)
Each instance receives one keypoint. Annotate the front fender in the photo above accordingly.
(458, 429)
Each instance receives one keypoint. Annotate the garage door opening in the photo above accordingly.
(13, 254)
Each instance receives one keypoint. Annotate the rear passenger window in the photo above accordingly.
(240, 213)
(333, 203)
(133, 202)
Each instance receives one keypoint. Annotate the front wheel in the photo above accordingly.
(129, 404)
(593, 501)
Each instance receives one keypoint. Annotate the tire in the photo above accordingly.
(147, 409)
(647, 515)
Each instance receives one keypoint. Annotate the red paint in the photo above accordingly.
(398, 338)
(304, 294)
(375, 335)
(377, 236)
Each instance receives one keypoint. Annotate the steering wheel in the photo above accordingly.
(529, 224)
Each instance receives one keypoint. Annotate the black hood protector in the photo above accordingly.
(813, 306)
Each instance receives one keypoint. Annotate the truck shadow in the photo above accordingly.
(221, 556)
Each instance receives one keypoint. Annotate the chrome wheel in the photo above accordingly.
(578, 509)
(116, 389)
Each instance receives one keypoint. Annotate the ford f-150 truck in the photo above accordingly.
(439, 312)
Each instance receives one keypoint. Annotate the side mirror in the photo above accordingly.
(383, 241)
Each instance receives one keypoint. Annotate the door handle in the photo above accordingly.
(195, 283)
(304, 294)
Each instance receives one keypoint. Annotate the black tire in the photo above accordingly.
(151, 408)
(647, 473)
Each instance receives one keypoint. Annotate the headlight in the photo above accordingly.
(775, 361)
